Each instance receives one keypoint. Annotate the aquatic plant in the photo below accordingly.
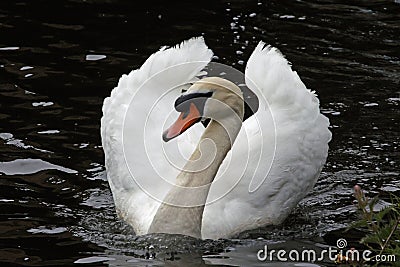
(381, 225)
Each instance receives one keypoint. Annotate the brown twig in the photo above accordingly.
(390, 235)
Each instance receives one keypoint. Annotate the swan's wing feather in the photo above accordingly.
(144, 98)
(277, 156)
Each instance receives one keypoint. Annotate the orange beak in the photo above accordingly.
(184, 121)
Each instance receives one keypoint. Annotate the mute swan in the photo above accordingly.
(219, 181)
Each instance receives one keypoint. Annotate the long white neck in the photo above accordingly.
(182, 209)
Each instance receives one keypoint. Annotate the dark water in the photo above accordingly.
(59, 59)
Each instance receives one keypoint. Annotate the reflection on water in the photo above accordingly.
(29, 166)
(59, 59)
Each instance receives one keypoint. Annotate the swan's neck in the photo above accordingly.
(182, 209)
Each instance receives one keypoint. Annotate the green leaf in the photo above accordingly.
(381, 214)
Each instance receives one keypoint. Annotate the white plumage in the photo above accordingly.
(274, 162)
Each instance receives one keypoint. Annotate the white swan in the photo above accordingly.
(275, 160)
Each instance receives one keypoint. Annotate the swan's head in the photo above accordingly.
(210, 98)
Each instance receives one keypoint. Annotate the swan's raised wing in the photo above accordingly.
(140, 166)
(300, 131)
(278, 153)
